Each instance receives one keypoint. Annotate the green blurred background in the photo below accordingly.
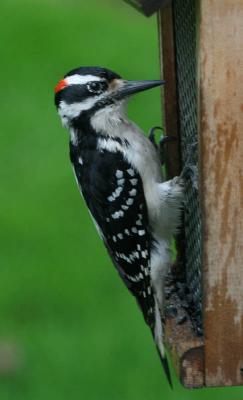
(68, 327)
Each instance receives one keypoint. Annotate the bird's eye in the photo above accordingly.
(96, 87)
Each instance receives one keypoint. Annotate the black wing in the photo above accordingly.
(114, 193)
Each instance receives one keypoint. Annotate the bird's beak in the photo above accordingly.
(131, 87)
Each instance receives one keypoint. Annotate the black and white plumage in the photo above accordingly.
(118, 172)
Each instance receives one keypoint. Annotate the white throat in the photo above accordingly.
(108, 120)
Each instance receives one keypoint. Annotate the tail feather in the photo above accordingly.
(158, 338)
(166, 368)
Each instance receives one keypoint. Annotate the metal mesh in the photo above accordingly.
(185, 41)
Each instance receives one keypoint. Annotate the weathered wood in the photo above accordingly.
(170, 107)
(221, 166)
(185, 346)
(168, 72)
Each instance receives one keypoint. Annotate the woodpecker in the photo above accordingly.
(118, 172)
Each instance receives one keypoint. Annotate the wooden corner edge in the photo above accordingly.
(185, 346)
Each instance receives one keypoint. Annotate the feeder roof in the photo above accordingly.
(147, 7)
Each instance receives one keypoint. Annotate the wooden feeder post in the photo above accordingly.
(220, 68)
(220, 135)
(216, 358)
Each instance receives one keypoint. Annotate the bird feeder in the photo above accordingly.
(201, 50)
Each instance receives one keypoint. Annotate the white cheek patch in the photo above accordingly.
(81, 80)
(73, 110)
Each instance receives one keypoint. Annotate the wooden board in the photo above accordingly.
(220, 110)
(185, 346)
(169, 101)
(221, 166)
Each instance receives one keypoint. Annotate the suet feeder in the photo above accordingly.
(201, 50)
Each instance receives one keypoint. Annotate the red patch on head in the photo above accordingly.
(61, 85)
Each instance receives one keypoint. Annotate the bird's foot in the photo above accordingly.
(190, 169)
(162, 145)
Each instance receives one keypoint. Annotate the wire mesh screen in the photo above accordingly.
(185, 43)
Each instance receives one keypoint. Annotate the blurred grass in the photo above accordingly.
(74, 330)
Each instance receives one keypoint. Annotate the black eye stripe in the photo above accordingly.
(75, 93)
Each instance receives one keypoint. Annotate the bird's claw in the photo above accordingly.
(190, 169)
(162, 142)
(152, 135)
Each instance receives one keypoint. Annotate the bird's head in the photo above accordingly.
(86, 91)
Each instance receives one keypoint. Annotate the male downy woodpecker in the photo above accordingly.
(119, 174)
